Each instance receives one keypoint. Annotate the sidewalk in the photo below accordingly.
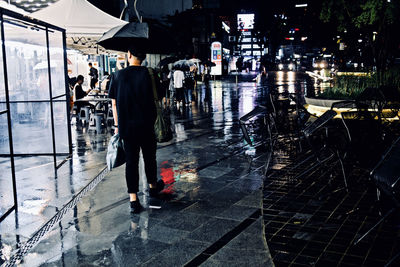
(212, 216)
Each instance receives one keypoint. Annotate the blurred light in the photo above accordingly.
(301, 5)
(297, 29)
(279, 76)
(322, 65)
(304, 38)
(360, 40)
(291, 76)
(291, 66)
(280, 66)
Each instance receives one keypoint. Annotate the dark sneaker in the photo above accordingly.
(136, 207)
(154, 192)
(154, 203)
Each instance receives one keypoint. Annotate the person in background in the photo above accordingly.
(79, 93)
(172, 92)
(179, 77)
(94, 76)
(264, 75)
(165, 84)
(189, 86)
(105, 82)
(134, 111)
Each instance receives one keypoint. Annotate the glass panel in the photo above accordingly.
(2, 87)
(31, 126)
(57, 63)
(26, 55)
(4, 144)
(6, 190)
(61, 127)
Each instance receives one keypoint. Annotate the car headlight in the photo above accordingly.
(322, 65)
(280, 66)
(291, 66)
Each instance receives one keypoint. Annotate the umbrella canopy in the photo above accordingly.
(195, 60)
(151, 38)
(183, 65)
(209, 63)
(166, 61)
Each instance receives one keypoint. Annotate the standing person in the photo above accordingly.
(135, 113)
(94, 76)
(189, 86)
(164, 84)
(179, 77)
(264, 75)
(172, 93)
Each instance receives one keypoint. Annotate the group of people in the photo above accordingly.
(178, 87)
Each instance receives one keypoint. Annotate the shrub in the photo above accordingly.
(351, 86)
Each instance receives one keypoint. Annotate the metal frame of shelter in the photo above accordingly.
(53, 99)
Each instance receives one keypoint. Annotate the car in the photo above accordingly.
(289, 66)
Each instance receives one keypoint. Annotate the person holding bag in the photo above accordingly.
(135, 113)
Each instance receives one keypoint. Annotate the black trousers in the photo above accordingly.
(93, 83)
(146, 141)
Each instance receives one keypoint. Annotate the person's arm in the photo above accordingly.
(115, 114)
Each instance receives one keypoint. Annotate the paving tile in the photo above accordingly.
(177, 255)
(212, 230)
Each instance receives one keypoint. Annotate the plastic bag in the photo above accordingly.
(115, 152)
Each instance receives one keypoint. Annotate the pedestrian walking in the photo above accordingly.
(164, 85)
(188, 86)
(94, 76)
(172, 93)
(134, 117)
(178, 85)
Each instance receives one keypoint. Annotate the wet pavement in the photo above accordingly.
(211, 214)
(218, 209)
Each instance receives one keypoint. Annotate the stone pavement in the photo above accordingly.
(211, 214)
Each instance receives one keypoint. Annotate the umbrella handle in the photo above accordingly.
(137, 13)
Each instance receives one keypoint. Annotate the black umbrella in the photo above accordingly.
(150, 38)
(166, 61)
(209, 63)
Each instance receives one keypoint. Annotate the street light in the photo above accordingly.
(301, 5)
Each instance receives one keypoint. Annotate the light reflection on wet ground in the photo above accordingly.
(205, 133)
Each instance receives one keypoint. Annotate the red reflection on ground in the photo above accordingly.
(168, 175)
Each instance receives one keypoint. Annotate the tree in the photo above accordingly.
(373, 22)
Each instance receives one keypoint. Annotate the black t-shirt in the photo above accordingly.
(79, 93)
(93, 73)
(132, 89)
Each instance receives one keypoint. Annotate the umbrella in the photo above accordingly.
(166, 61)
(209, 63)
(195, 60)
(183, 65)
(150, 38)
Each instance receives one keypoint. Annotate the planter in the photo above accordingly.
(317, 107)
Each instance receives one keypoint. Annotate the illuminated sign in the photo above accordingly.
(245, 21)
(216, 57)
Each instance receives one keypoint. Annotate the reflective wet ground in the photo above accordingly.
(218, 210)
(211, 212)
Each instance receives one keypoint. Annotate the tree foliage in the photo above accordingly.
(376, 21)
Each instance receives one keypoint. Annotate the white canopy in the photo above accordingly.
(83, 22)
